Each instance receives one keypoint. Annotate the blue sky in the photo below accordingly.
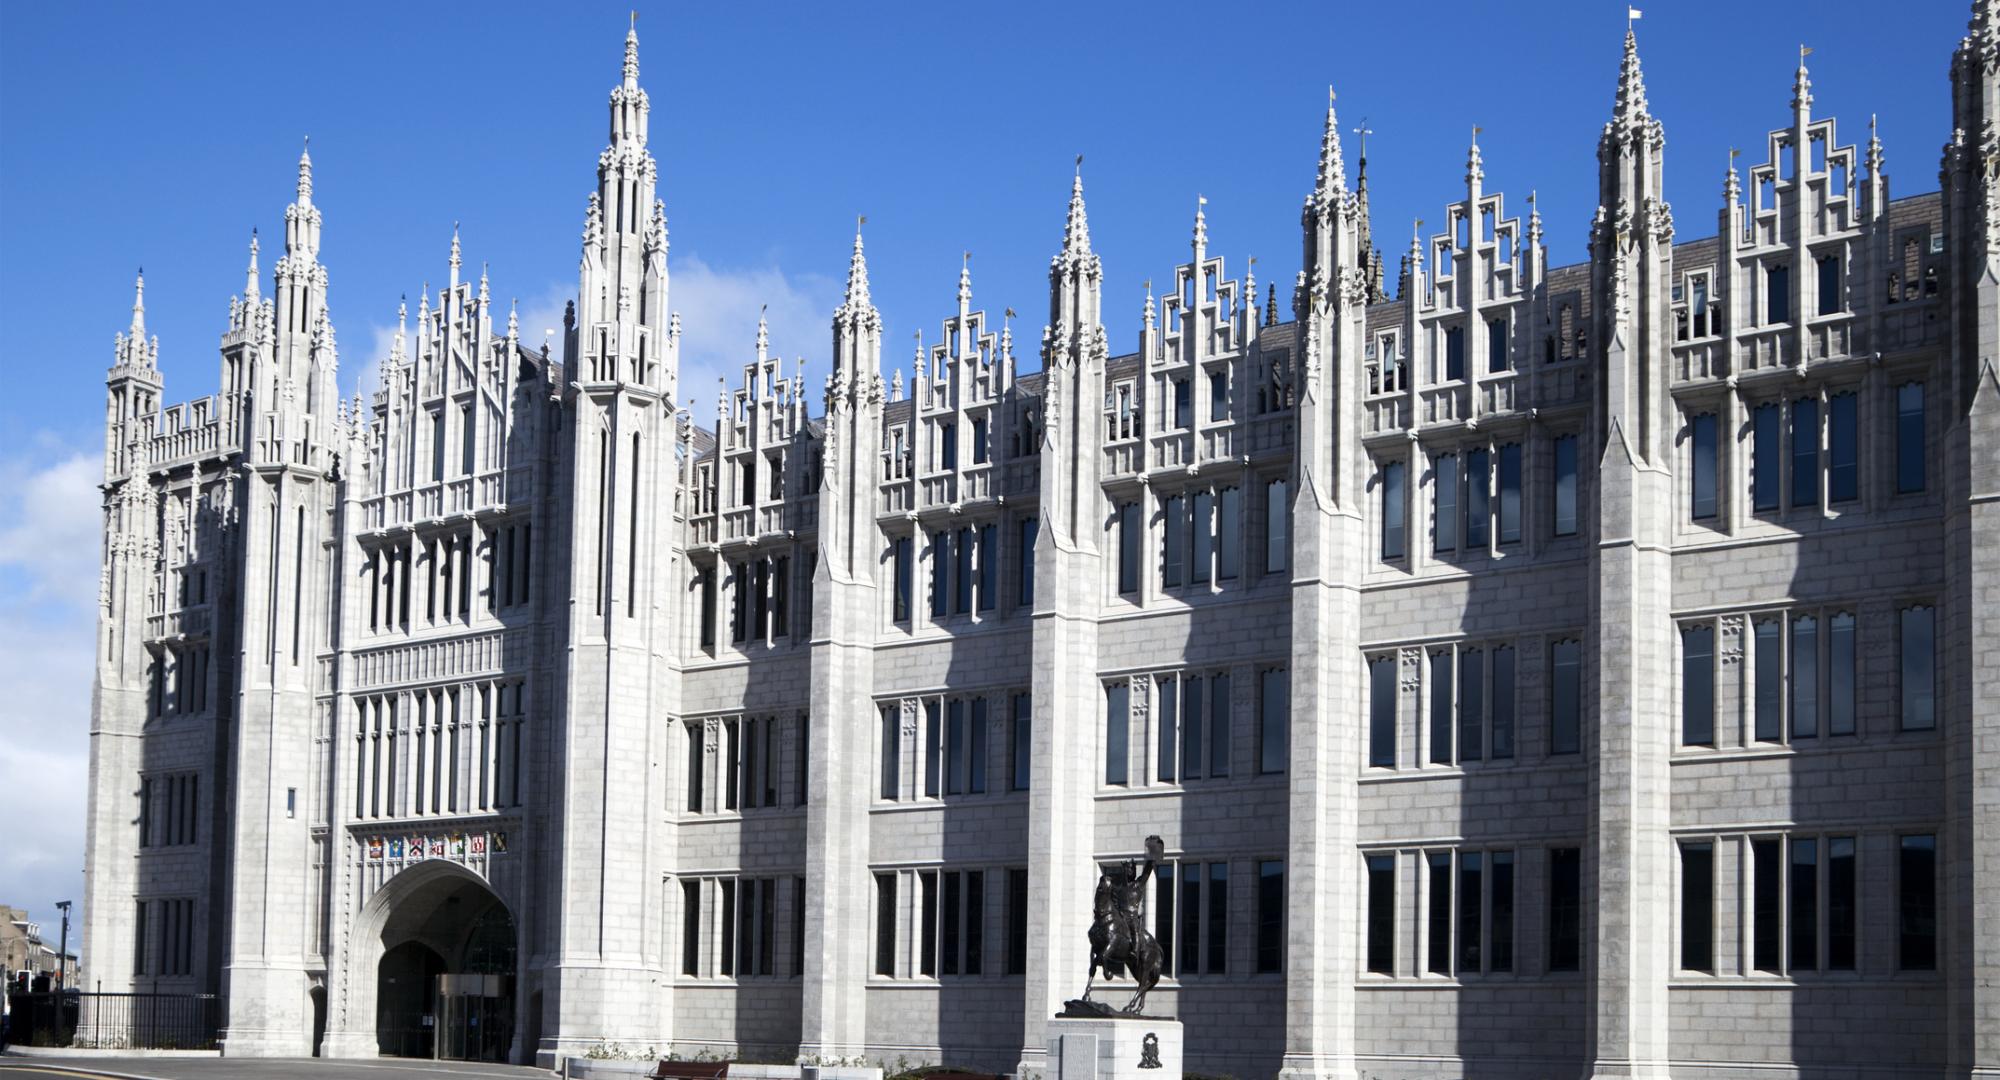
(158, 135)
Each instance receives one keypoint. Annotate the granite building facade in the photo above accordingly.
(1542, 671)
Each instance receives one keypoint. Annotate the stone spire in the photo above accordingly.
(139, 305)
(396, 350)
(856, 299)
(306, 174)
(1200, 226)
(632, 54)
(1076, 231)
(1631, 84)
(132, 351)
(1474, 165)
(1271, 304)
(965, 283)
(250, 283)
(1802, 84)
(1732, 187)
(1332, 167)
(485, 293)
(456, 262)
(1147, 316)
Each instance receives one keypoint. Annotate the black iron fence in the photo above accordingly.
(117, 1021)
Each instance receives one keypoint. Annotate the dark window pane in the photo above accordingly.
(892, 753)
(1218, 918)
(1228, 534)
(954, 746)
(1163, 915)
(1441, 708)
(1510, 494)
(1804, 911)
(1454, 352)
(1219, 719)
(1566, 697)
(1767, 906)
(1840, 900)
(1918, 673)
(1117, 722)
(1500, 909)
(933, 749)
(1764, 453)
(1270, 916)
(1698, 907)
(1910, 437)
(1565, 502)
(1471, 703)
(1565, 909)
(975, 761)
(1770, 687)
(1382, 914)
(927, 922)
(1444, 496)
(1203, 524)
(1173, 560)
(1030, 528)
(1916, 881)
(691, 927)
(1829, 285)
(952, 912)
(1438, 924)
(1017, 922)
(1167, 694)
(1392, 510)
(1702, 435)
(902, 560)
(1024, 740)
(1777, 294)
(1193, 736)
(1496, 345)
(1698, 685)
(1190, 940)
(1382, 711)
(1471, 867)
(1843, 473)
(1478, 508)
(1273, 737)
(1128, 548)
(726, 940)
(1805, 677)
(1501, 734)
(1805, 452)
(1840, 674)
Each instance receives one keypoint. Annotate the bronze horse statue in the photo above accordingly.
(1119, 940)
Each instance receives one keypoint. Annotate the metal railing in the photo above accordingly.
(118, 1021)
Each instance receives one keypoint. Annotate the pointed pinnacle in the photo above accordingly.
(139, 305)
(306, 173)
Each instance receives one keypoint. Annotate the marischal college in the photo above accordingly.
(1580, 671)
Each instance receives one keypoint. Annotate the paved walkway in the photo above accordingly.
(204, 1068)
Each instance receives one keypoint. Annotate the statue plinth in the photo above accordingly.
(1115, 1047)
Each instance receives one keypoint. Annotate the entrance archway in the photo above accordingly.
(444, 987)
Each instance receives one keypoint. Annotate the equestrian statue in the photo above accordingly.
(1119, 940)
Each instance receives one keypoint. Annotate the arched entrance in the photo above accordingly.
(444, 987)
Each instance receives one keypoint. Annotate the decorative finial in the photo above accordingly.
(306, 172)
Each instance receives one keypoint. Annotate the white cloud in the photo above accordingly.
(718, 309)
(49, 542)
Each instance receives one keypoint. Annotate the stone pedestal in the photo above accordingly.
(1114, 1048)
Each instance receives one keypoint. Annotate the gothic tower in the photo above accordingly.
(283, 500)
(1969, 180)
(620, 683)
(1631, 589)
(126, 671)
(1069, 584)
(846, 600)
(1329, 551)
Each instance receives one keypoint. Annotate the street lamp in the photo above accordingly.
(62, 957)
